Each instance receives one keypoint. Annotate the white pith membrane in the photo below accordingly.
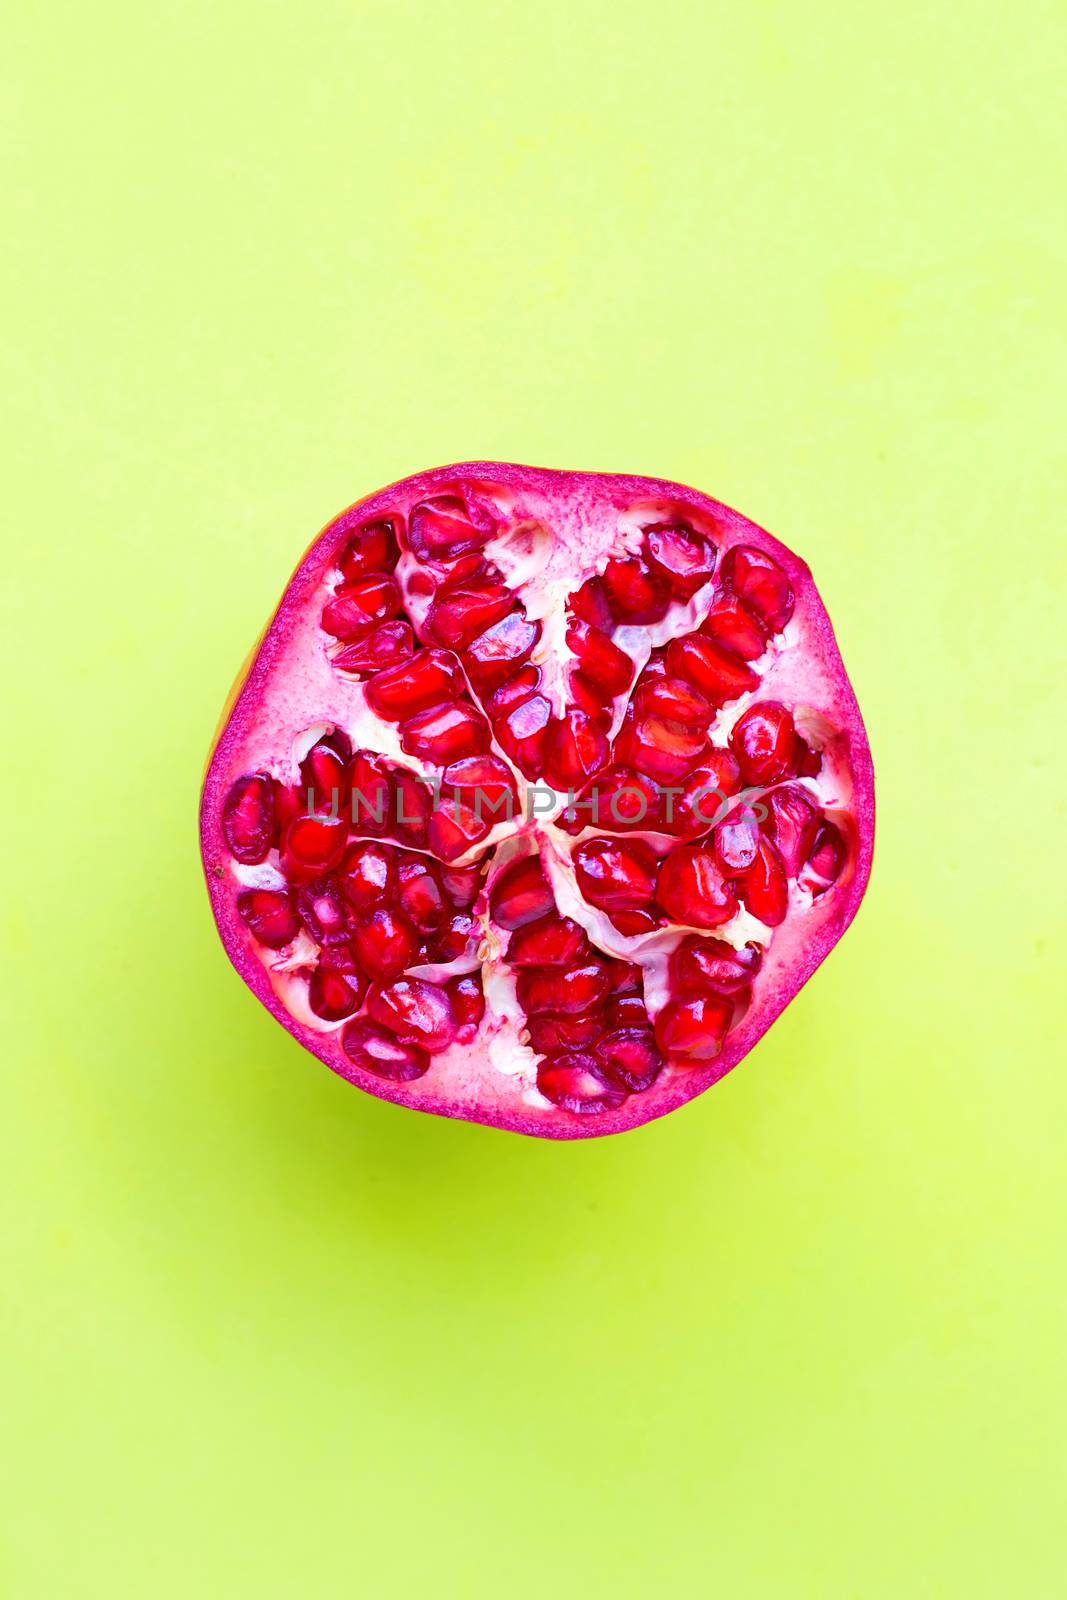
(554, 532)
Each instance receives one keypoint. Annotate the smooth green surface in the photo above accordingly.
(266, 1337)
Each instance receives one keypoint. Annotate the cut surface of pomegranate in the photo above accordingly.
(542, 796)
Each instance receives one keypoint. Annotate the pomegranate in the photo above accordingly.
(542, 796)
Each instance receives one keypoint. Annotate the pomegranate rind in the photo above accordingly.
(795, 953)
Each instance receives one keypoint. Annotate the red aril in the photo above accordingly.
(374, 1049)
(384, 943)
(248, 818)
(756, 578)
(720, 677)
(334, 995)
(468, 1003)
(685, 558)
(551, 941)
(358, 607)
(692, 889)
(563, 991)
(372, 548)
(567, 855)
(733, 628)
(635, 591)
(764, 741)
(699, 964)
(495, 655)
(417, 1011)
(615, 874)
(574, 1083)
(431, 678)
(693, 1028)
(269, 916)
(387, 646)
(629, 1058)
(445, 733)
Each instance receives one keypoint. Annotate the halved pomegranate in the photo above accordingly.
(543, 795)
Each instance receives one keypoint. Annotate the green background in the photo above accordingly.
(268, 1337)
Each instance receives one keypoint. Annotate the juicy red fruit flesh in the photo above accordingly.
(383, 875)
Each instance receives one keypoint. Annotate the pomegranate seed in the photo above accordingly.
(628, 1058)
(551, 941)
(808, 762)
(626, 1011)
(626, 976)
(734, 628)
(792, 821)
(760, 582)
(694, 1027)
(655, 667)
(590, 604)
(764, 888)
(333, 996)
(269, 916)
(420, 894)
(375, 1050)
(445, 733)
(664, 751)
(456, 828)
(489, 780)
(417, 1011)
(676, 700)
(737, 840)
(323, 911)
(358, 607)
(705, 792)
(520, 894)
(719, 676)
(573, 1082)
(549, 1033)
(764, 742)
(700, 964)
(616, 874)
(827, 858)
(371, 549)
(288, 803)
(388, 646)
(463, 885)
(428, 679)
(338, 958)
(602, 662)
(686, 559)
(498, 651)
(468, 1001)
(519, 687)
(323, 773)
(457, 940)
(445, 527)
(632, 923)
(368, 874)
(691, 888)
(616, 800)
(575, 749)
(590, 700)
(313, 845)
(635, 592)
(563, 990)
(248, 819)
(412, 814)
(522, 733)
(384, 942)
(372, 794)
(463, 611)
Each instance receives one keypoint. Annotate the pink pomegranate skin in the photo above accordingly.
(552, 530)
